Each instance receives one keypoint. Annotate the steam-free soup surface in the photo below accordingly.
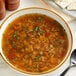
(35, 43)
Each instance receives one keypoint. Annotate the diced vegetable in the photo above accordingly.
(11, 56)
(36, 58)
(30, 54)
(30, 62)
(39, 34)
(45, 67)
(46, 54)
(14, 46)
(40, 18)
(53, 60)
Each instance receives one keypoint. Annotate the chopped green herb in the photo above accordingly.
(15, 32)
(35, 66)
(2, 48)
(30, 54)
(59, 42)
(25, 28)
(26, 67)
(39, 29)
(55, 21)
(19, 43)
(14, 46)
(54, 27)
(14, 59)
(35, 28)
(56, 45)
(38, 34)
(13, 42)
(17, 37)
(43, 31)
(52, 41)
(14, 35)
(40, 18)
(31, 31)
(36, 58)
(24, 56)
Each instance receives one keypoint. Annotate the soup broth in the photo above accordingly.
(34, 43)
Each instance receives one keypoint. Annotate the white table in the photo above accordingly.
(5, 70)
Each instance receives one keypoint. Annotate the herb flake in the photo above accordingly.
(36, 58)
(14, 46)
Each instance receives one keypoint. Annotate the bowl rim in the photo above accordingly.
(62, 60)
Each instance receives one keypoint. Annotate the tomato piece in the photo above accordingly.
(47, 34)
(44, 29)
(11, 56)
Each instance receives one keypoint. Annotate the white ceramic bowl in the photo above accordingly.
(45, 12)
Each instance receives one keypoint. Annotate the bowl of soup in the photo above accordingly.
(35, 41)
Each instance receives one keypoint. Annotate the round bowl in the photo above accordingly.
(45, 12)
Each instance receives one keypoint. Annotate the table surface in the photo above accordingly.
(5, 70)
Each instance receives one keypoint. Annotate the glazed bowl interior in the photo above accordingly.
(41, 11)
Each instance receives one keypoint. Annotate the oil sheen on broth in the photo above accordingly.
(34, 43)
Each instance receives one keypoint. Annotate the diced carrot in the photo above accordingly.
(44, 29)
(18, 55)
(17, 22)
(27, 56)
(35, 39)
(42, 37)
(53, 60)
(15, 27)
(30, 62)
(37, 46)
(11, 31)
(44, 68)
(21, 64)
(9, 46)
(25, 42)
(33, 56)
(11, 56)
(46, 54)
(47, 34)
(30, 28)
